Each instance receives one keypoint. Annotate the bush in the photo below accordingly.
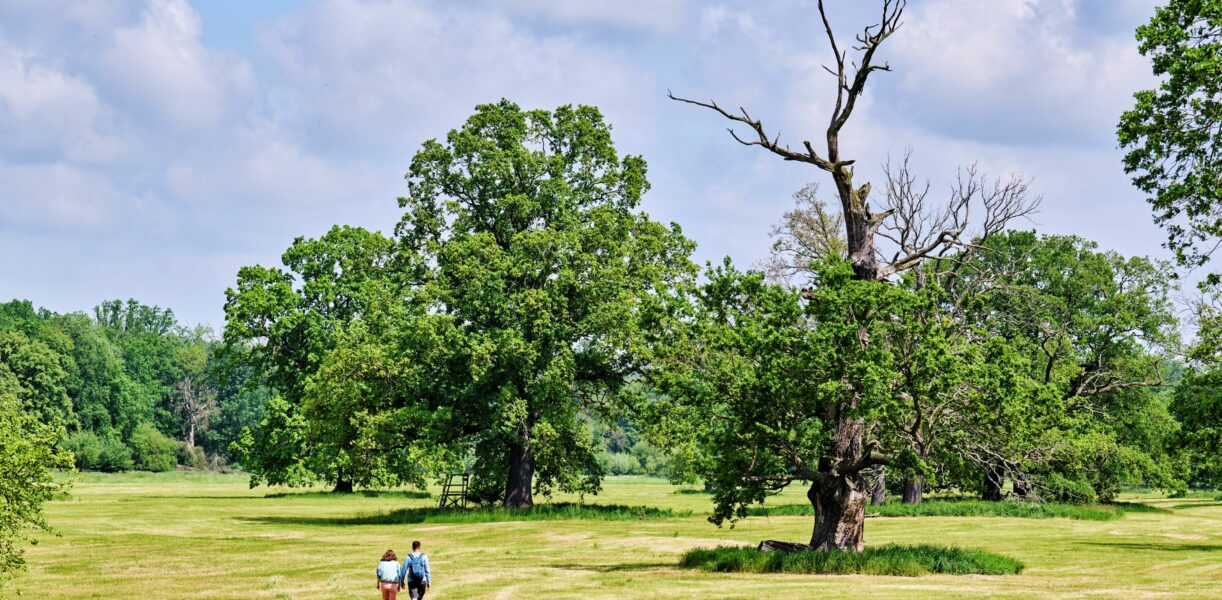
(620, 463)
(93, 452)
(892, 559)
(86, 449)
(194, 457)
(153, 450)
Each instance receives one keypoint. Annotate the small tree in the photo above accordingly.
(29, 457)
(286, 322)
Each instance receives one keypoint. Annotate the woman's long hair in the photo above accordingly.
(390, 555)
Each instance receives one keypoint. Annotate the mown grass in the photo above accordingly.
(541, 512)
(120, 535)
(973, 508)
(891, 560)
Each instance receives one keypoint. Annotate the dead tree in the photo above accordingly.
(839, 489)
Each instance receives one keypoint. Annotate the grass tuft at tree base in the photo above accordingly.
(973, 508)
(891, 559)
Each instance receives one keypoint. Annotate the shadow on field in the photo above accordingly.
(542, 512)
(1196, 505)
(617, 568)
(412, 494)
(1162, 547)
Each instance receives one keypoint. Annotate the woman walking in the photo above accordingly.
(388, 575)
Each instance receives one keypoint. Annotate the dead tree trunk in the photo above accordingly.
(878, 491)
(914, 490)
(518, 486)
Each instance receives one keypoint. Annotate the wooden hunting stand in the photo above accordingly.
(454, 491)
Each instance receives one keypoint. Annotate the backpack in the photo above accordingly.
(415, 569)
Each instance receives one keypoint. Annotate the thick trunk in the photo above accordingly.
(840, 500)
(878, 492)
(914, 489)
(191, 434)
(993, 478)
(342, 485)
(840, 514)
(518, 492)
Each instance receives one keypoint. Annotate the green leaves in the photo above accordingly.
(528, 223)
(1172, 133)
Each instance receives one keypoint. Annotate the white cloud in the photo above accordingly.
(1018, 71)
(159, 65)
(48, 114)
(655, 16)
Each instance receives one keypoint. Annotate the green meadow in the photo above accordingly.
(195, 535)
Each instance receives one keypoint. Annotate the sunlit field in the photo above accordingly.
(191, 535)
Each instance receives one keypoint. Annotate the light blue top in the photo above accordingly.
(388, 570)
(421, 558)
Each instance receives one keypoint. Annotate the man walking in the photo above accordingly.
(415, 576)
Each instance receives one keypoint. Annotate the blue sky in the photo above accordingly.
(149, 148)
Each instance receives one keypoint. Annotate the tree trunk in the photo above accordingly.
(878, 493)
(914, 489)
(1020, 490)
(518, 492)
(840, 514)
(342, 485)
(993, 478)
(840, 500)
(191, 434)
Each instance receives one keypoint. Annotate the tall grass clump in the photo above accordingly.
(892, 559)
(969, 508)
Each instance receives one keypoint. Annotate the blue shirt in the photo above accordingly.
(420, 557)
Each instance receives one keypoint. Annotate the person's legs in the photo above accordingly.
(415, 591)
(389, 590)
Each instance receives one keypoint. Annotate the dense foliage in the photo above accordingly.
(1172, 132)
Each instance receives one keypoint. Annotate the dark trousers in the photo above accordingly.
(415, 590)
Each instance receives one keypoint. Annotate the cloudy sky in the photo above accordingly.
(149, 148)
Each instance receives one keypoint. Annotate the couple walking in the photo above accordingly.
(413, 575)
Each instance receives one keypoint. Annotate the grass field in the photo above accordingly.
(191, 535)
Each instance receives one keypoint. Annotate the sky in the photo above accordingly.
(151, 148)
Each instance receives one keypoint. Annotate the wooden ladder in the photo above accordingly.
(454, 491)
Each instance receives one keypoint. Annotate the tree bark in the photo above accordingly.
(342, 485)
(993, 478)
(840, 514)
(839, 499)
(914, 490)
(518, 486)
(191, 433)
(878, 493)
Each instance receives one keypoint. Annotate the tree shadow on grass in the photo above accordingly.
(542, 512)
(616, 568)
(410, 494)
(1196, 505)
(1162, 547)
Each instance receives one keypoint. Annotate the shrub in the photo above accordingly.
(892, 559)
(93, 452)
(194, 457)
(152, 449)
(620, 463)
(116, 457)
(86, 449)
